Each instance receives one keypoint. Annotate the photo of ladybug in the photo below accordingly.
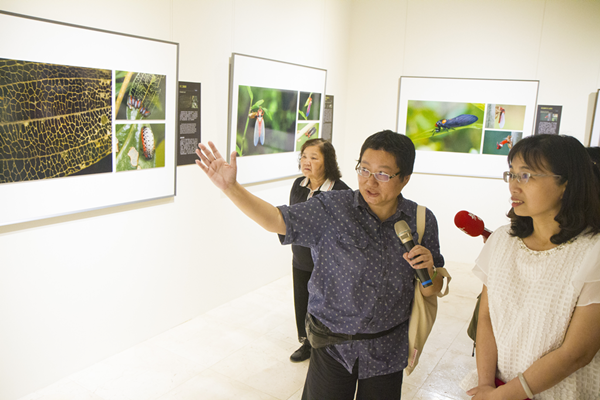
(505, 116)
(309, 106)
(445, 126)
(498, 142)
(266, 121)
(140, 146)
(139, 96)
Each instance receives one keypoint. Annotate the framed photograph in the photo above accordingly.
(465, 126)
(87, 118)
(595, 136)
(274, 108)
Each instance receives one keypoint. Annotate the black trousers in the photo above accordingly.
(301, 279)
(327, 379)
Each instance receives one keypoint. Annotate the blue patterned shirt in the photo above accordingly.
(361, 283)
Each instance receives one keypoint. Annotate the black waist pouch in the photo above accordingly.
(321, 336)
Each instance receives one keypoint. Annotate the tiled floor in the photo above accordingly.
(241, 351)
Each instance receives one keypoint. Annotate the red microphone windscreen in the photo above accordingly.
(469, 223)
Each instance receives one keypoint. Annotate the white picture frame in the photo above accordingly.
(271, 75)
(482, 93)
(55, 43)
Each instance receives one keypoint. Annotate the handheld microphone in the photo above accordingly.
(403, 233)
(471, 224)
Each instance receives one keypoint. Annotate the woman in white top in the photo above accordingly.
(539, 319)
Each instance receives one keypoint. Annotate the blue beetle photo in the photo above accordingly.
(457, 122)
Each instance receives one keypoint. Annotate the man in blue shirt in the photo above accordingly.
(362, 283)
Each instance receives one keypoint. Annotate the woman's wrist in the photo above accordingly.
(486, 379)
(526, 388)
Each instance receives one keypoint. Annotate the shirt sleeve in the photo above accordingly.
(482, 263)
(587, 278)
(304, 222)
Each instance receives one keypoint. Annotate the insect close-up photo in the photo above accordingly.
(139, 95)
(259, 126)
(499, 142)
(140, 146)
(445, 126)
(306, 131)
(266, 120)
(453, 123)
(505, 116)
(309, 106)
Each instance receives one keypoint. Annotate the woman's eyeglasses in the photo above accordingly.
(523, 177)
(380, 176)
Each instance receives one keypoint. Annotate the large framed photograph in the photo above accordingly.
(274, 108)
(465, 126)
(87, 118)
(595, 136)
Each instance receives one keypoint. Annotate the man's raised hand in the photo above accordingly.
(221, 173)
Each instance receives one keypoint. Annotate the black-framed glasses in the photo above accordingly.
(380, 176)
(522, 177)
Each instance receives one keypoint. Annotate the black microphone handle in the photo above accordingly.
(422, 273)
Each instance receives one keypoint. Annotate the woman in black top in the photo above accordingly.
(321, 173)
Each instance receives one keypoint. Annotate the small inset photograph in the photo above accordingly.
(140, 146)
(500, 142)
(188, 101)
(306, 131)
(505, 116)
(309, 106)
(548, 116)
(139, 96)
(55, 121)
(445, 126)
(266, 121)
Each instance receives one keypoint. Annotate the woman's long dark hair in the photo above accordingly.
(564, 156)
(332, 170)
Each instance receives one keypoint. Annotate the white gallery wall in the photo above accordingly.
(77, 289)
(553, 41)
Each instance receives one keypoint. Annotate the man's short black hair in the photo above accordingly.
(400, 146)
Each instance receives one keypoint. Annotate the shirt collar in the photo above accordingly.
(325, 187)
(404, 210)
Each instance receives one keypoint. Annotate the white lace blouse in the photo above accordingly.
(532, 296)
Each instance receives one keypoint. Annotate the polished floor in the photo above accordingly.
(241, 350)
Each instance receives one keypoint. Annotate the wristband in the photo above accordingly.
(525, 386)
